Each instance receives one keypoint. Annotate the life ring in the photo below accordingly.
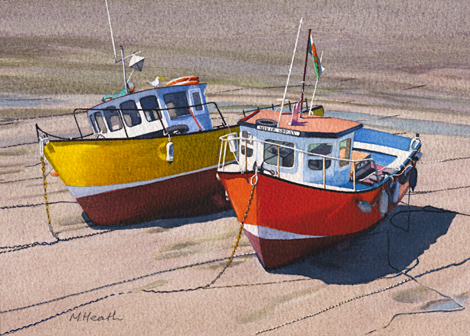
(177, 129)
(266, 122)
(187, 80)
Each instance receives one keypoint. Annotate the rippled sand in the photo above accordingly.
(402, 68)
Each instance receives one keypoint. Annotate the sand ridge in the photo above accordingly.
(402, 61)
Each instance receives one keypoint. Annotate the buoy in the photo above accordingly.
(413, 178)
(384, 204)
(395, 191)
(169, 151)
(131, 87)
(232, 143)
(187, 80)
(405, 176)
(364, 206)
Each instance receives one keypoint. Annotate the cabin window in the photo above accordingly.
(246, 135)
(113, 118)
(285, 157)
(151, 108)
(322, 149)
(197, 101)
(93, 123)
(344, 151)
(100, 122)
(177, 104)
(130, 113)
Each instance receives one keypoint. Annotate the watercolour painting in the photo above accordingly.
(143, 231)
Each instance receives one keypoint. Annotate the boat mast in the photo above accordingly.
(305, 71)
(124, 69)
(288, 76)
(114, 49)
(111, 29)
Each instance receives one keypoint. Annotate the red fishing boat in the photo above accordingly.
(303, 182)
(312, 183)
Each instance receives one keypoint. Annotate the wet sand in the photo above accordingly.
(409, 276)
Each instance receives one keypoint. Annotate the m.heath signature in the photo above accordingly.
(94, 318)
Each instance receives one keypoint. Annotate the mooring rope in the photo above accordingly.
(231, 257)
(459, 308)
(107, 296)
(445, 160)
(410, 278)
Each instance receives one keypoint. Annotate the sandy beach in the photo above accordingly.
(398, 68)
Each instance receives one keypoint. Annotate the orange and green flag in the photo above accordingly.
(316, 60)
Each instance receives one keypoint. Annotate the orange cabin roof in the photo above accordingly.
(309, 126)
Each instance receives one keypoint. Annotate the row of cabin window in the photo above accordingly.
(176, 103)
(286, 155)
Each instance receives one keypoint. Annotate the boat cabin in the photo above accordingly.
(170, 110)
(307, 151)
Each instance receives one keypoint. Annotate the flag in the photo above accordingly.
(295, 114)
(316, 60)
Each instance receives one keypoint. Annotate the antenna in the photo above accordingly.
(111, 29)
(288, 76)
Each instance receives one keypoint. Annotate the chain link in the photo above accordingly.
(439, 190)
(44, 179)
(242, 224)
(20, 144)
(34, 205)
(228, 262)
(445, 160)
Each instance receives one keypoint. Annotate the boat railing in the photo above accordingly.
(41, 134)
(85, 110)
(236, 145)
(288, 105)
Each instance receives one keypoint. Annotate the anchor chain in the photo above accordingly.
(242, 224)
(49, 222)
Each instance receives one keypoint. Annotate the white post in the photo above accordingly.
(290, 69)
(124, 69)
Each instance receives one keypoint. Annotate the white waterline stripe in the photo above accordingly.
(268, 233)
(79, 192)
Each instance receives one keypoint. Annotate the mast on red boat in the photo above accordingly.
(305, 71)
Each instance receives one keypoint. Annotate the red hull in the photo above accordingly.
(190, 195)
(292, 249)
(292, 221)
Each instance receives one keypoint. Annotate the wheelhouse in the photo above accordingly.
(300, 153)
(317, 151)
(175, 109)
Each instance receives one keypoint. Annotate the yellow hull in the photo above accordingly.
(89, 163)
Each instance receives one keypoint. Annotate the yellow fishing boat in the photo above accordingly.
(152, 154)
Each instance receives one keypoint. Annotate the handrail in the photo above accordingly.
(272, 107)
(225, 140)
(38, 129)
(223, 148)
(84, 110)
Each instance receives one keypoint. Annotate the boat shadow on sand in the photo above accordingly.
(395, 244)
(168, 223)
